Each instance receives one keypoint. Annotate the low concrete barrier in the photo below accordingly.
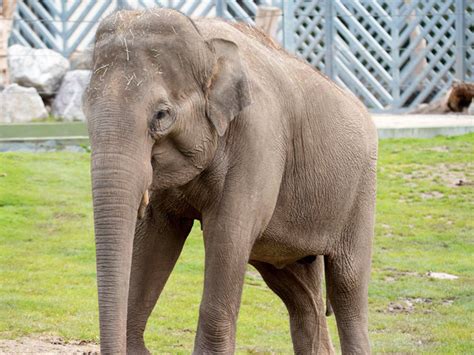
(422, 126)
(48, 136)
(73, 136)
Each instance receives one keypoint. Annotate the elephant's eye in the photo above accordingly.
(161, 114)
(161, 122)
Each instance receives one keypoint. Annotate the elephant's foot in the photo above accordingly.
(326, 347)
(137, 350)
(136, 346)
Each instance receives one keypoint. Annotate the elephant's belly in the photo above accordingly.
(313, 227)
(277, 253)
(278, 247)
(309, 216)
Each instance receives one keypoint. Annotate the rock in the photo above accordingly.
(441, 276)
(448, 302)
(42, 69)
(20, 104)
(68, 102)
(470, 110)
(81, 59)
(405, 307)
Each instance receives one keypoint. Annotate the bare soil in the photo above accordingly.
(451, 175)
(47, 345)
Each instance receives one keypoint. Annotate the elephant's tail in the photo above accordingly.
(329, 310)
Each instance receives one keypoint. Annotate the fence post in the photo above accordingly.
(329, 31)
(267, 19)
(288, 25)
(121, 4)
(220, 6)
(64, 37)
(394, 16)
(460, 40)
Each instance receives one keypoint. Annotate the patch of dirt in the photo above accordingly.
(464, 183)
(396, 274)
(68, 215)
(448, 302)
(442, 148)
(452, 175)
(407, 305)
(47, 345)
(387, 230)
(256, 350)
(431, 194)
(419, 300)
(400, 307)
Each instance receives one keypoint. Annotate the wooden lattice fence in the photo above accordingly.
(66, 25)
(469, 45)
(393, 54)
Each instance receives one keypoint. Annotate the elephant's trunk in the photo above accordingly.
(119, 182)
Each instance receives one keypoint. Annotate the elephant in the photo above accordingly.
(206, 120)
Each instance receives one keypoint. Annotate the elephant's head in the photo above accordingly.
(160, 97)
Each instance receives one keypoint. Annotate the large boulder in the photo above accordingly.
(42, 69)
(20, 104)
(68, 101)
(82, 59)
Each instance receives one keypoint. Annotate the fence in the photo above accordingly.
(69, 24)
(393, 54)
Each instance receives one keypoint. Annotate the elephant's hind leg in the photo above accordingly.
(347, 276)
(300, 288)
(157, 245)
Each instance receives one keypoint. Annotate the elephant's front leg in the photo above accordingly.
(157, 245)
(227, 251)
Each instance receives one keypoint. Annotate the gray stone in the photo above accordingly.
(20, 104)
(42, 69)
(81, 59)
(68, 101)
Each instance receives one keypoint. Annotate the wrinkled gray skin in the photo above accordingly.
(221, 126)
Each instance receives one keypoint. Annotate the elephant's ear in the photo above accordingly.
(227, 90)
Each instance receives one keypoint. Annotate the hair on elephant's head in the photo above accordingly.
(160, 96)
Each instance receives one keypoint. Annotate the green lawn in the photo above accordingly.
(424, 223)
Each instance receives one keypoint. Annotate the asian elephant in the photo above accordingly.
(211, 121)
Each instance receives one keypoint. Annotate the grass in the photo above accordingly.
(424, 223)
(49, 118)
